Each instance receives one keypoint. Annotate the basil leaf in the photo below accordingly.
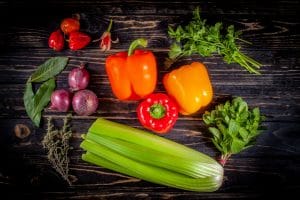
(237, 145)
(233, 126)
(49, 69)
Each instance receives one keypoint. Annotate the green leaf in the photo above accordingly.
(43, 95)
(175, 51)
(29, 102)
(49, 69)
(233, 128)
(233, 125)
(35, 103)
(215, 132)
(244, 135)
(197, 37)
(237, 146)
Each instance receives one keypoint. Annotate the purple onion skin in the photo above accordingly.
(78, 78)
(60, 100)
(85, 102)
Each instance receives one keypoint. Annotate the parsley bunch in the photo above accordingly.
(234, 126)
(199, 38)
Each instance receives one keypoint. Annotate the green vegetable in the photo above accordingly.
(150, 157)
(234, 126)
(35, 103)
(28, 99)
(199, 38)
(49, 69)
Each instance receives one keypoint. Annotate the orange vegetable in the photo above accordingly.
(190, 86)
(132, 75)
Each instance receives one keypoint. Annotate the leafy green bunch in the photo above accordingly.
(200, 38)
(234, 126)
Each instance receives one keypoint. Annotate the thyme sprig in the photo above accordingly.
(200, 38)
(56, 142)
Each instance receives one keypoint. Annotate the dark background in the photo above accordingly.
(268, 169)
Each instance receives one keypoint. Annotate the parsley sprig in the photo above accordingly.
(234, 126)
(199, 38)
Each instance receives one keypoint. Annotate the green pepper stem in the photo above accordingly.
(157, 111)
(138, 42)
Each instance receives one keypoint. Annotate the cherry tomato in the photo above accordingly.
(69, 25)
(56, 40)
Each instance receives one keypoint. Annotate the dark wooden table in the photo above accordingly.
(270, 168)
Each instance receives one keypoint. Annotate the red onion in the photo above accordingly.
(79, 78)
(60, 100)
(85, 102)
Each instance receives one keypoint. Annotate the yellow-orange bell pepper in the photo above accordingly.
(190, 86)
(132, 74)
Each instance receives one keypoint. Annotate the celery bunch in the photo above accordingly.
(150, 157)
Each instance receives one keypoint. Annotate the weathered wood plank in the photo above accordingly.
(268, 169)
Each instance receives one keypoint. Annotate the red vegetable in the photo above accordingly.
(56, 40)
(158, 112)
(78, 78)
(85, 102)
(78, 40)
(60, 100)
(69, 25)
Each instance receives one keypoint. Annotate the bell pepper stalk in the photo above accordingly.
(106, 40)
(190, 86)
(158, 113)
(133, 74)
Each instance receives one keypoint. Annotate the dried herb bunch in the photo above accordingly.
(56, 142)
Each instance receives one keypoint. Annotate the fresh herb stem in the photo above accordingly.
(199, 38)
(56, 142)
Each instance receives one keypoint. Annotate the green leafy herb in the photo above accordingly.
(49, 69)
(199, 38)
(56, 142)
(35, 103)
(234, 126)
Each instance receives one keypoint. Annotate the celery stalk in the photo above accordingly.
(193, 168)
(151, 173)
(150, 157)
(112, 129)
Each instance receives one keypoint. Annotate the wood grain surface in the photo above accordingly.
(270, 168)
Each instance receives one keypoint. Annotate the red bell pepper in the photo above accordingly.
(158, 112)
(132, 74)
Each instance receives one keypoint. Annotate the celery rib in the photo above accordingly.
(134, 135)
(150, 157)
(193, 168)
(152, 173)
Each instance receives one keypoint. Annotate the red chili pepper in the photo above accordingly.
(158, 112)
(78, 40)
(56, 40)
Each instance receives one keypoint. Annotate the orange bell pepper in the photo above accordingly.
(190, 86)
(132, 75)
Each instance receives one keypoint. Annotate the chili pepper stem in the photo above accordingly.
(110, 25)
(138, 42)
(157, 111)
